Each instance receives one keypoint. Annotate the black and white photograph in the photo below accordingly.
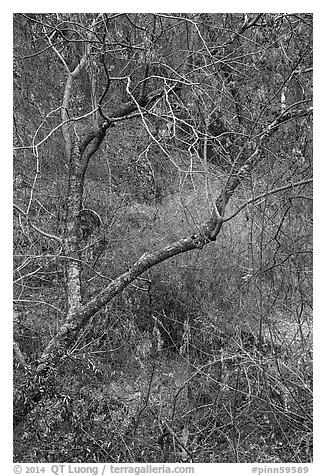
(162, 238)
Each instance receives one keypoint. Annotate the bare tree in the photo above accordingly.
(230, 92)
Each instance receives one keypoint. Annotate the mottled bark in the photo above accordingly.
(79, 153)
(73, 232)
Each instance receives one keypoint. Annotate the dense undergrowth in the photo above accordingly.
(224, 396)
(205, 358)
(131, 132)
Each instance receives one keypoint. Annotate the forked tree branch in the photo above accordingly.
(206, 233)
(41, 232)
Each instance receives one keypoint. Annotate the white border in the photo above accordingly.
(319, 198)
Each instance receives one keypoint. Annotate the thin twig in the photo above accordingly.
(265, 194)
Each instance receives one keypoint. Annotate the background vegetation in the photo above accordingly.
(193, 134)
